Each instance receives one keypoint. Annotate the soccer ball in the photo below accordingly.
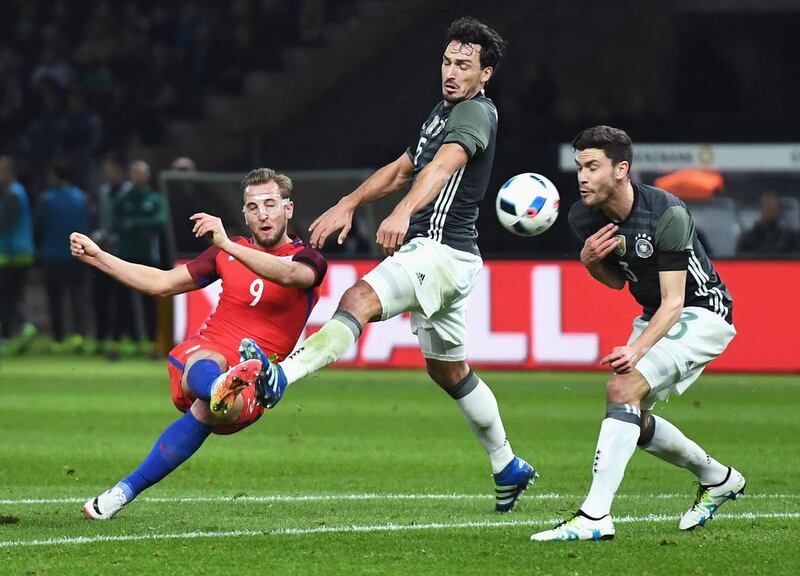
(527, 204)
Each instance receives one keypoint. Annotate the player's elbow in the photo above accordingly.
(673, 305)
(297, 276)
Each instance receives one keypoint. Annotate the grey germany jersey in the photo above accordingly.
(450, 217)
(658, 235)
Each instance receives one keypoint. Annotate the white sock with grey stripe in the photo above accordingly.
(479, 406)
(671, 445)
(616, 444)
(323, 347)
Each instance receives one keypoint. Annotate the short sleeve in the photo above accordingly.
(203, 269)
(673, 239)
(314, 260)
(469, 126)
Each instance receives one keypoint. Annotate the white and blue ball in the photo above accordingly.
(527, 204)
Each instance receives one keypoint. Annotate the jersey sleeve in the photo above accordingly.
(673, 239)
(468, 126)
(314, 260)
(203, 269)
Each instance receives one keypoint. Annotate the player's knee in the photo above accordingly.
(448, 375)
(361, 301)
(620, 389)
(202, 412)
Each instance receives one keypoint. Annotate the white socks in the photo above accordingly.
(322, 348)
(670, 444)
(616, 444)
(479, 406)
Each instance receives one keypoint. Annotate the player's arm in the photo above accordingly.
(287, 273)
(430, 182)
(673, 243)
(145, 279)
(595, 249)
(383, 182)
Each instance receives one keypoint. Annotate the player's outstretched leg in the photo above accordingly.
(322, 348)
(271, 381)
(175, 445)
(226, 386)
(718, 483)
(579, 527)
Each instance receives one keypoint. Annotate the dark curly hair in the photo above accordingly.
(472, 31)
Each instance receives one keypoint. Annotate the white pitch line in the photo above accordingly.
(362, 529)
(367, 496)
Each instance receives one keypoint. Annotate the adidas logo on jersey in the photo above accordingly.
(420, 277)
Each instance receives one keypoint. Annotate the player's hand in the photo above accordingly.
(209, 226)
(599, 245)
(392, 232)
(337, 217)
(622, 359)
(82, 247)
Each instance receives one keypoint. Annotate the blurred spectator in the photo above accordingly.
(44, 135)
(137, 219)
(81, 130)
(109, 295)
(51, 68)
(768, 236)
(16, 248)
(184, 164)
(62, 209)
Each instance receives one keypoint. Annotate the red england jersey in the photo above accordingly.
(253, 307)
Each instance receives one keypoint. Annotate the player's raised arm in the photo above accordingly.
(339, 217)
(143, 278)
(288, 273)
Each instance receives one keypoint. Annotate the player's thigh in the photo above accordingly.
(628, 388)
(244, 412)
(443, 337)
(678, 359)
(392, 285)
(179, 360)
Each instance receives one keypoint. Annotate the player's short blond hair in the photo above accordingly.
(265, 175)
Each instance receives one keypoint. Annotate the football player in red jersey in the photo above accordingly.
(271, 309)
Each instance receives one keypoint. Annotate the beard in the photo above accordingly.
(270, 238)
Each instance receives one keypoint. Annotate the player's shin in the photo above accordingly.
(616, 444)
(176, 444)
(670, 444)
(323, 347)
(479, 406)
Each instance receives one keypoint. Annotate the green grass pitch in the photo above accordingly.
(376, 472)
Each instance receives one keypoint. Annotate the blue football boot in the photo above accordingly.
(271, 381)
(511, 482)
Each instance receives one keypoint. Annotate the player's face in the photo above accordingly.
(462, 75)
(598, 177)
(267, 214)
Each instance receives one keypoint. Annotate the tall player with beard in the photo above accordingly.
(270, 308)
(433, 257)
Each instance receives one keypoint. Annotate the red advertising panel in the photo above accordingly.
(553, 315)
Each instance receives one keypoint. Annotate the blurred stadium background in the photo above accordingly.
(327, 90)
